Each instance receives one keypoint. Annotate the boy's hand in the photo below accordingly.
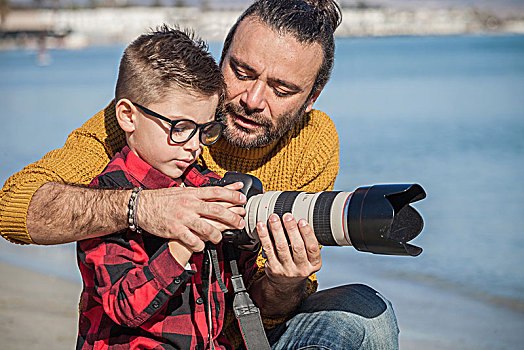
(192, 215)
(180, 252)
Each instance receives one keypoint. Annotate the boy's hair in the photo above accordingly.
(309, 21)
(165, 58)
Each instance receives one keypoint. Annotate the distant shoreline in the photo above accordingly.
(79, 28)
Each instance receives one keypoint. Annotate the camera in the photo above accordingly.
(376, 219)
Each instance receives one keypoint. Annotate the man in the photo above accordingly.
(276, 60)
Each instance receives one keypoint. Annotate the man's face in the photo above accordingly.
(269, 78)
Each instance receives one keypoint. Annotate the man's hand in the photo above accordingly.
(192, 215)
(289, 264)
(60, 213)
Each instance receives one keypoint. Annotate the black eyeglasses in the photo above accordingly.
(182, 130)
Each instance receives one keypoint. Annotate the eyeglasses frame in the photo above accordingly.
(173, 122)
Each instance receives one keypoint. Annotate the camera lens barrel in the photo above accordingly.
(376, 219)
(323, 210)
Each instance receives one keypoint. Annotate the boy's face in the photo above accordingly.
(151, 140)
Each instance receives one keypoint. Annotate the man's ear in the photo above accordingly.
(312, 101)
(126, 114)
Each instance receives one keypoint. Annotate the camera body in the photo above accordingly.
(376, 219)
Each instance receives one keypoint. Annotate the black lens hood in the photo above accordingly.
(381, 221)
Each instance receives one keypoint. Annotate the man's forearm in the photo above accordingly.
(277, 300)
(61, 213)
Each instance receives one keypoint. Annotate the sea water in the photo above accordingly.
(444, 112)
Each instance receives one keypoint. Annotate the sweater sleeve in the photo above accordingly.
(85, 153)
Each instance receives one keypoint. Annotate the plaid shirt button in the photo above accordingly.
(177, 280)
(156, 304)
(200, 301)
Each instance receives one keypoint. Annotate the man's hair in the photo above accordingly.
(309, 21)
(165, 58)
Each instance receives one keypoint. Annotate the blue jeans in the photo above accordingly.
(353, 316)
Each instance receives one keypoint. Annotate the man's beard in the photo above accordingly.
(240, 137)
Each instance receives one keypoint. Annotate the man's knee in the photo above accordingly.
(356, 314)
(354, 298)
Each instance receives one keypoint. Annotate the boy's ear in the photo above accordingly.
(312, 101)
(126, 114)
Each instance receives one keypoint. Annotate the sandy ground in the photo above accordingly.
(39, 311)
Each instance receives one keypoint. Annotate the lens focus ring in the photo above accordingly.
(284, 202)
(322, 218)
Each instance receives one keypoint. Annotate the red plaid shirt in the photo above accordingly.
(136, 295)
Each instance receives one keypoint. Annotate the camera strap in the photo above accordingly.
(247, 314)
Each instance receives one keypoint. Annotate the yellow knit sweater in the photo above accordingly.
(305, 159)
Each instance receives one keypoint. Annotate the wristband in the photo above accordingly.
(132, 209)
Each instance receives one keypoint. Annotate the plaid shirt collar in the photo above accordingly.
(151, 178)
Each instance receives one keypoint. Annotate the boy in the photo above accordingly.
(142, 291)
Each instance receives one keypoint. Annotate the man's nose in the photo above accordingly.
(254, 98)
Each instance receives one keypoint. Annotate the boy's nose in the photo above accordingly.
(193, 143)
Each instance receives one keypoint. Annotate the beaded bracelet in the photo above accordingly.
(132, 210)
